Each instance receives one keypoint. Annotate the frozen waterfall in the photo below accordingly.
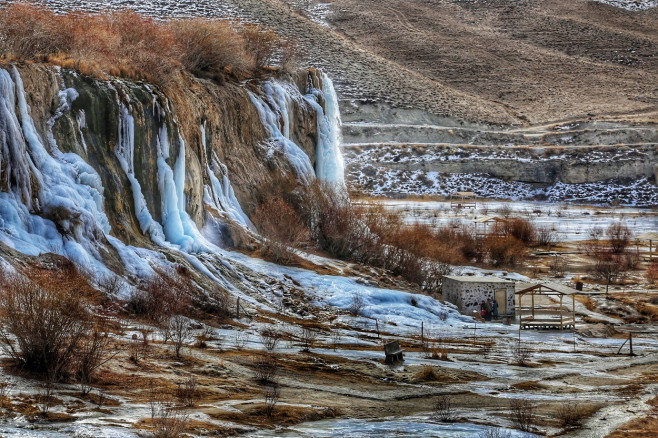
(329, 158)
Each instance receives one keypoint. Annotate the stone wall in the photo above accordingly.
(467, 295)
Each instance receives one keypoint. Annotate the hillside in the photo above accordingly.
(495, 61)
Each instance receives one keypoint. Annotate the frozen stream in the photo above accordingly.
(417, 426)
(570, 222)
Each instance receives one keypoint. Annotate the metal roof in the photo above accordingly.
(651, 235)
(473, 279)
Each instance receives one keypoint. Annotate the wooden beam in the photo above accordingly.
(561, 296)
(573, 310)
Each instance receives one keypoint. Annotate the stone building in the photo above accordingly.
(468, 292)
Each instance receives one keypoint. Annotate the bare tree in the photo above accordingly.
(307, 338)
(169, 422)
(520, 353)
(272, 395)
(357, 304)
(270, 338)
(443, 408)
(181, 333)
(523, 413)
(94, 352)
(188, 392)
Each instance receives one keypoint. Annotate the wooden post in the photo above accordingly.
(573, 311)
(650, 253)
(561, 296)
(422, 332)
(237, 310)
(520, 311)
(630, 340)
(533, 303)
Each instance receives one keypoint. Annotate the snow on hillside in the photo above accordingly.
(631, 5)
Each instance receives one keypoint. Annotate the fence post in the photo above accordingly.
(630, 339)
(422, 332)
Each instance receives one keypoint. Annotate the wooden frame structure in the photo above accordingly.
(651, 237)
(463, 200)
(547, 316)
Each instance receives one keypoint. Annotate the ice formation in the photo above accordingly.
(329, 159)
(274, 112)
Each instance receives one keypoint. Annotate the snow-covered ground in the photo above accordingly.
(631, 5)
(570, 222)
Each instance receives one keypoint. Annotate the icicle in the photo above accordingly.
(275, 117)
(220, 195)
(329, 159)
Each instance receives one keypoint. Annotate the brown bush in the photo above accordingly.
(619, 236)
(505, 250)
(45, 321)
(127, 44)
(162, 297)
(282, 227)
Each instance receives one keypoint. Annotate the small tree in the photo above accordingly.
(94, 352)
(188, 392)
(181, 333)
(608, 266)
(620, 236)
(443, 408)
(43, 322)
(523, 413)
(272, 395)
(357, 304)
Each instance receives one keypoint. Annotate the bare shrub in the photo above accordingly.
(169, 422)
(44, 320)
(240, 339)
(557, 266)
(521, 229)
(335, 339)
(505, 250)
(443, 408)
(491, 432)
(521, 354)
(161, 297)
(570, 414)
(188, 392)
(619, 236)
(357, 304)
(212, 48)
(307, 338)
(265, 369)
(111, 285)
(262, 43)
(181, 333)
(94, 352)
(282, 228)
(523, 413)
(270, 338)
(125, 43)
(546, 236)
(607, 267)
(272, 395)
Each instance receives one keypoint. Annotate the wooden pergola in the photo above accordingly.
(651, 237)
(546, 316)
(486, 221)
(463, 200)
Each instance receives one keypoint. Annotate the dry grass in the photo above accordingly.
(129, 45)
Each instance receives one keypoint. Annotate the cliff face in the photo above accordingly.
(100, 171)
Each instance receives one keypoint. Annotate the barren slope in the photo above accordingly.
(544, 60)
